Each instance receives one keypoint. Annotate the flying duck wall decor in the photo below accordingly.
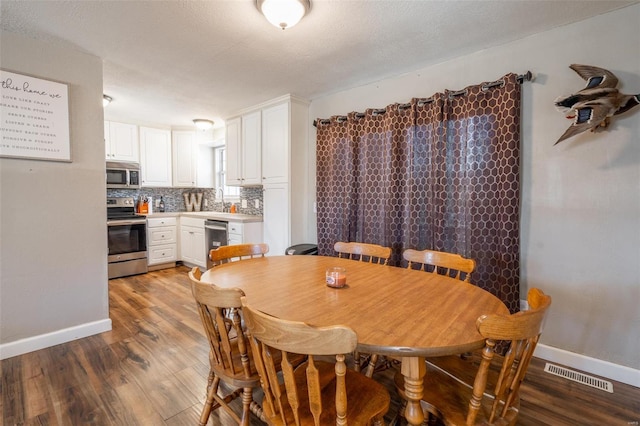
(592, 107)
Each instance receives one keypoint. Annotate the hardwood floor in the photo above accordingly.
(151, 369)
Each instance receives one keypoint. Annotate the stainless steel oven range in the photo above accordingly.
(127, 233)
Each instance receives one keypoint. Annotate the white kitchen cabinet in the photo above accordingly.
(233, 140)
(193, 248)
(162, 241)
(284, 163)
(205, 177)
(251, 149)
(121, 142)
(184, 158)
(276, 216)
(243, 150)
(275, 144)
(244, 232)
(155, 157)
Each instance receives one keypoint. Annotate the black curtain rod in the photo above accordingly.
(528, 76)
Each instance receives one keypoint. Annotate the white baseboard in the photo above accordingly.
(606, 369)
(46, 340)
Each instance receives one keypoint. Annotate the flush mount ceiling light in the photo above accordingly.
(106, 100)
(203, 124)
(283, 13)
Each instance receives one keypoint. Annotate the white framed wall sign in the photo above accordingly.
(34, 118)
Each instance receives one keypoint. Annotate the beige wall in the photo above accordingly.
(53, 243)
(580, 199)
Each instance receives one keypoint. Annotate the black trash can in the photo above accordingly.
(308, 249)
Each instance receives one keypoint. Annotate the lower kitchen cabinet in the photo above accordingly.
(192, 243)
(162, 241)
(276, 213)
(247, 232)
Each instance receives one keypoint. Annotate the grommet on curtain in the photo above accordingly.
(488, 86)
(458, 93)
(423, 102)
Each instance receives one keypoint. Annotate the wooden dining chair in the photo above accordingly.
(229, 356)
(225, 254)
(316, 392)
(484, 389)
(364, 252)
(372, 253)
(450, 264)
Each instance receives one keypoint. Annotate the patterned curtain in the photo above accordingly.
(439, 173)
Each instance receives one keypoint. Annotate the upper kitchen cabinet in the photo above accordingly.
(284, 163)
(121, 142)
(155, 157)
(243, 150)
(275, 144)
(192, 161)
(233, 140)
(185, 162)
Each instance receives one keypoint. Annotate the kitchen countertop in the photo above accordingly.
(228, 217)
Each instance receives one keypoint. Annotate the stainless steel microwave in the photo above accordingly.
(123, 175)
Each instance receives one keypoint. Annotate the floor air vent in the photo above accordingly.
(585, 379)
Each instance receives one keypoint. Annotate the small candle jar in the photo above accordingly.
(336, 277)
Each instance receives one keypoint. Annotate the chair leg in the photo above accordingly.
(258, 411)
(208, 405)
(247, 399)
(371, 366)
(356, 361)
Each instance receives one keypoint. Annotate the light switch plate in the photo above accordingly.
(257, 204)
(244, 204)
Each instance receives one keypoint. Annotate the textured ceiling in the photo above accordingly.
(167, 62)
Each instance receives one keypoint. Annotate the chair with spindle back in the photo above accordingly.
(450, 264)
(364, 252)
(484, 390)
(229, 357)
(225, 254)
(315, 392)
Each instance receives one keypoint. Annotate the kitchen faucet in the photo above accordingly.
(222, 198)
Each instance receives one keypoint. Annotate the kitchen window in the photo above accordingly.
(231, 193)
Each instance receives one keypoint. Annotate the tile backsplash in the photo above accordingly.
(174, 202)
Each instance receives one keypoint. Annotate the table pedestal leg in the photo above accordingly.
(413, 370)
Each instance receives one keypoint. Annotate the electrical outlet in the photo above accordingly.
(244, 204)
(257, 203)
(206, 202)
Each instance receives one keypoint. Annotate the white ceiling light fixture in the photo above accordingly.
(283, 13)
(203, 124)
(106, 100)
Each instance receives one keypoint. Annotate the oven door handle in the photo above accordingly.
(126, 222)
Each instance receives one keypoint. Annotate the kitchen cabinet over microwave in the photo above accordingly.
(121, 142)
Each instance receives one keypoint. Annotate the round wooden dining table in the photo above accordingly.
(394, 311)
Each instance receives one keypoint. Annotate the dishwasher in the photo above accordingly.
(216, 235)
